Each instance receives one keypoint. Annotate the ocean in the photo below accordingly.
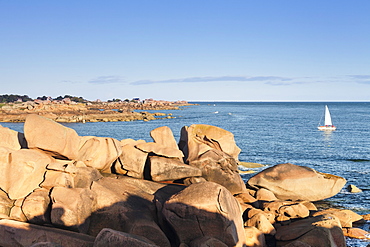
(272, 133)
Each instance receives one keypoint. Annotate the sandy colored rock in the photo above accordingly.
(131, 162)
(265, 195)
(353, 189)
(99, 152)
(169, 169)
(199, 138)
(254, 237)
(24, 234)
(161, 150)
(346, 217)
(36, 207)
(72, 208)
(205, 209)
(358, 233)
(164, 136)
(22, 171)
(47, 135)
(292, 182)
(261, 222)
(220, 168)
(12, 139)
(5, 205)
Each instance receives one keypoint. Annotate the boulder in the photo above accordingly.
(169, 169)
(125, 205)
(161, 150)
(345, 216)
(12, 139)
(112, 238)
(14, 233)
(164, 136)
(45, 134)
(262, 223)
(292, 182)
(205, 209)
(5, 205)
(16, 212)
(72, 208)
(22, 171)
(220, 168)
(99, 152)
(131, 162)
(254, 237)
(36, 207)
(131, 142)
(199, 138)
(354, 232)
(323, 230)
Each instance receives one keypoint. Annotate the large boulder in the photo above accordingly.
(14, 233)
(5, 205)
(131, 162)
(99, 152)
(12, 139)
(45, 134)
(205, 209)
(124, 204)
(22, 171)
(322, 230)
(199, 138)
(72, 208)
(292, 182)
(221, 168)
(164, 136)
(168, 169)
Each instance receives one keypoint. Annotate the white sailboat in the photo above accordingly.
(328, 125)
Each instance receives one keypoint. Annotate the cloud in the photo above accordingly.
(106, 79)
(214, 79)
(363, 79)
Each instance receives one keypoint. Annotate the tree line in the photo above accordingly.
(9, 98)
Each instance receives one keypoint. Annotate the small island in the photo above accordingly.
(72, 109)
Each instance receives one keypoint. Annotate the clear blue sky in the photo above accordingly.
(242, 50)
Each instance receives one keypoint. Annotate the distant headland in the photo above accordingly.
(69, 109)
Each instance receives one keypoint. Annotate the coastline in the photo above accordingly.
(88, 112)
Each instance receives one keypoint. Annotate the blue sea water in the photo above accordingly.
(271, 133)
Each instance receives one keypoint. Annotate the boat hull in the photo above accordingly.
(331, 128)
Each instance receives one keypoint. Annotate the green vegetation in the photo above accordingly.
(8, 98)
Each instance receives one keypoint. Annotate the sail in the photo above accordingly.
(327, 116)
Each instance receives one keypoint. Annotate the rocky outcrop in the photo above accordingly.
(292, 182)
(68, 190)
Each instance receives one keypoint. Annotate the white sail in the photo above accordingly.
(327, 116)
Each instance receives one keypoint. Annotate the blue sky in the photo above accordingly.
(239, 50)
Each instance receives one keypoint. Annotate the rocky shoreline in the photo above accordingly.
(61, 189)
(73, 112)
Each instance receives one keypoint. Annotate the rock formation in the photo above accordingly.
(61, 189)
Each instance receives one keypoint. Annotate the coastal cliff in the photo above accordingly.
(62, 189)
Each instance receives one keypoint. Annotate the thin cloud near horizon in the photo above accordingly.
(107, 79)
(215, 79)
